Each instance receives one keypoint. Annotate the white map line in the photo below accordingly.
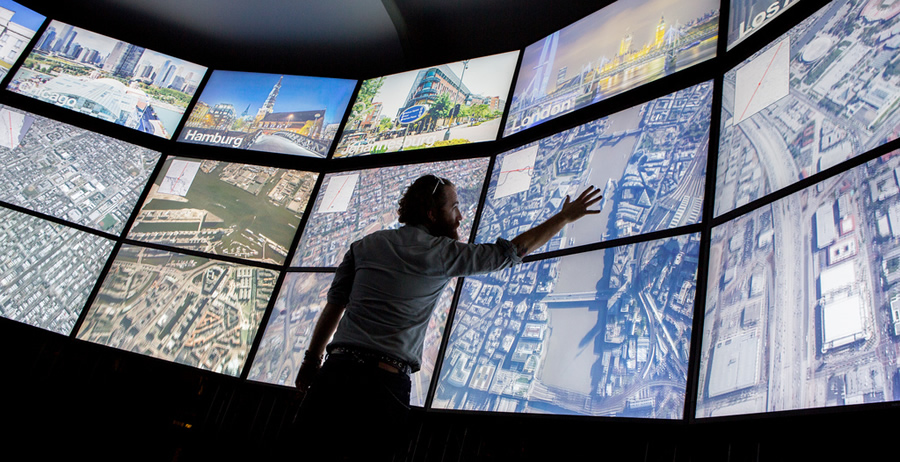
(762, 81)
(179, 178)
(515, 172)
(338, 193)
(13, 126)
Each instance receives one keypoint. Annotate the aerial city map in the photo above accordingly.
(351, 205)
(240, 210)
(190, 310)
(70, 173)
(822, 93)
(291, 324)
(650, 161)
(599, 333)
(803, 300)
(47, 270)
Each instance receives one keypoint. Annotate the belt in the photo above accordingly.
(372, 358)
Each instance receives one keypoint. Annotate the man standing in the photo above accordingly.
(378, 309)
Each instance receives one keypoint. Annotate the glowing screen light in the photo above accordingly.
(285, 114)
(109, 79)
(620, 47)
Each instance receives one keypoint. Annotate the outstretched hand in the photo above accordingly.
(532, 239)
(573, 210)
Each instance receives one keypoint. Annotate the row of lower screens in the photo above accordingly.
(800, 294)
(611, 51)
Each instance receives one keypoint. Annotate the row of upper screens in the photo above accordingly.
(613, 50)
(519, 334)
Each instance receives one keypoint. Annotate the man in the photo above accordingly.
(378, 309)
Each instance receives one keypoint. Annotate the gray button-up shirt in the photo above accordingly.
(391, 280)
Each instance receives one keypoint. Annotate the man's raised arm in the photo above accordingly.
(531, 240)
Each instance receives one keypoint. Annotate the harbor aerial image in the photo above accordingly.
(826, 91)
(109, 79)
(190, 310)
(47, 270)
(70, 173)
(803, 300)
(240, 210)
(603, 333)
(351, 205)
(650, 161)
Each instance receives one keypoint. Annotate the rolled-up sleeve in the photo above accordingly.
(339, 294)
(461, 259)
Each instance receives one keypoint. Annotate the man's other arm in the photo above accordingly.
(531, 240)
(312, 359)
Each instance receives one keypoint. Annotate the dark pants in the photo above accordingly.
(354, 411)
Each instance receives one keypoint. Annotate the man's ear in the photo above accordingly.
(430, 215)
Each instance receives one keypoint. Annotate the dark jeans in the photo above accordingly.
(354, 411)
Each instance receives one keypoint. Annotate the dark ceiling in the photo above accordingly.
(340, 38)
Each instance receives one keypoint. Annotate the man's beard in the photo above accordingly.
(445, 229)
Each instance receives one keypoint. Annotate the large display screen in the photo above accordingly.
(290, 327)
(803, 301)
(351, 205)
(47, 271)
(190, 310)
(285, 114)
(19, 26)
(240, 210)
(70, 173)
(109, 79)
(748, 16)
(455, 103)
(291, 324)
(621, 46)
(822, 93)
(650, 161)
(599, 333)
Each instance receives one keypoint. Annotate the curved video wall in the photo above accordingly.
(745, 259)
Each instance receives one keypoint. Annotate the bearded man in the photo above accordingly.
(378, 308)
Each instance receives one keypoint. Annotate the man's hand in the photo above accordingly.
(574, 210)
(530, 240)
(308, 370)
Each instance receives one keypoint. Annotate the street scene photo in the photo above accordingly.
(649, 160)
(109, 79)
(284, 114)
(47, 270)
(18, 27)
(352, 205)
(620, 47)
(826, 91)
(803, 300)
(603, 333)
(70, 173)
(240, 210)
(748, 16)
(191, 310)
(455, 103)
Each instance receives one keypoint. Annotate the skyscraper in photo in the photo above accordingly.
(128, 61)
